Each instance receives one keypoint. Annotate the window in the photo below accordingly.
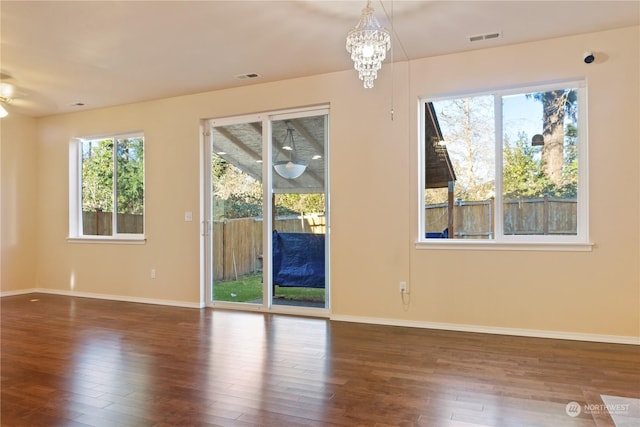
(507, 166)
(107, 187)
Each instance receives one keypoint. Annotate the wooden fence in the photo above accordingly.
(474, 220)
(237, 243)
(100, 223)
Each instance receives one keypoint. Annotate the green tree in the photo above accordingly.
(235, 194)
(557, 106)
(97, 175)
(570, 169)
(130, 180)
(523, 175)
(98, 179)
(299, 203)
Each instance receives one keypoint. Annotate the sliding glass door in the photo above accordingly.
(266, 215)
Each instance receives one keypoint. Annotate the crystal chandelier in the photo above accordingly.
(368, 44)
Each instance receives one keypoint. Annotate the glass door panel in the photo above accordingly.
(236, 206)
(299, 211)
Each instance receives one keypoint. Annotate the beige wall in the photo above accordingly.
(374, 206)
(19, 209)
(591, 292)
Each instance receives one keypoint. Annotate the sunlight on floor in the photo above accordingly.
(624, 411)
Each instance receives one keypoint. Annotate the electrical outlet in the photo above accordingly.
(153, 273)
(403, 288)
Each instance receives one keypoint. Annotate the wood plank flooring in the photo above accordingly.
(85, 362)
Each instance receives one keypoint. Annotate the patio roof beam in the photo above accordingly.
(318, 147)
(238, 143)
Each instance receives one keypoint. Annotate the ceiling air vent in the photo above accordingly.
(488, 36)
(247, 76)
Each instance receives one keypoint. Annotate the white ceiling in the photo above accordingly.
(103, 53)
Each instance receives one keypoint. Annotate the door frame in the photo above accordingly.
(206, 273)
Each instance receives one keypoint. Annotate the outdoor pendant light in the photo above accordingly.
(292, 168)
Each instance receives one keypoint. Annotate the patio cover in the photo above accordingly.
(241, 146)
(438, 169)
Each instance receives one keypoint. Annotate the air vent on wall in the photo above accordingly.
(247, 76)
(488, 36)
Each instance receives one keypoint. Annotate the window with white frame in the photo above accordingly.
(107, 187)
(506, 166)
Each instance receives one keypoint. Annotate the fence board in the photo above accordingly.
(237, 243)
(100, 223)
(538, 216)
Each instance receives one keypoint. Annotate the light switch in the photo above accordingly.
(188, 216)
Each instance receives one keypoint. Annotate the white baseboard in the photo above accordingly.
(534, 333)
(104, 296)
(18, 292)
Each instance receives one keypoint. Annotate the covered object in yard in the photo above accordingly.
(298, 260)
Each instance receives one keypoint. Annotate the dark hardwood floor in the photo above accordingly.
(85, 362)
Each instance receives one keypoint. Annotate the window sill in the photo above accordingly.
(504, 246)
(109, 240)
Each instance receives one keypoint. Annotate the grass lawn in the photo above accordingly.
(249, 288)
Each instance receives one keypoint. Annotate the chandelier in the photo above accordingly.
(368, 44)
(292, 168)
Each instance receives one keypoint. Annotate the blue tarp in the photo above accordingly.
(298, 259)
(443, 235)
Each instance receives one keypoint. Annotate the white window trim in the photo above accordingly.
(108, 240)
(75, 197)
(492, 245)
(577, 243)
